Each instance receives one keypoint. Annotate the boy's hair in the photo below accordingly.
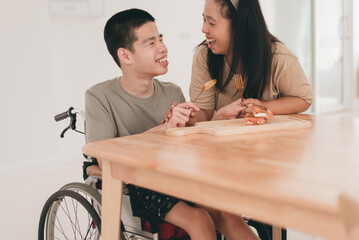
(120, 30)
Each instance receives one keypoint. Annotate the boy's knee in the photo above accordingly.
(227, 221)
(202, 219)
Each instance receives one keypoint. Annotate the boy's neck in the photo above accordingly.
(137, 86)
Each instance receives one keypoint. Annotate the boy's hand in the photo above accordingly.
(168, 114)
(180, 114)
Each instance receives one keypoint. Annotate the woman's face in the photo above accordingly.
(216, 28)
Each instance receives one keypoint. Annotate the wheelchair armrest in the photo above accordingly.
(94, 171)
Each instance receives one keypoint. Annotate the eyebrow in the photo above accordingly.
(151, 39)
(209, 17)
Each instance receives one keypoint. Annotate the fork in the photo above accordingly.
(238, 81)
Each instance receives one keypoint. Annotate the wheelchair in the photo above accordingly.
(74, 211)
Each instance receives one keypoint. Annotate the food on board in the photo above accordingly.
(258, 116)
(255, 120)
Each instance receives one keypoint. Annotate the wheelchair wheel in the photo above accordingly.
(68, 215)
(91, 195)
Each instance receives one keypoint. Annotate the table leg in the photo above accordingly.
(277, 233)
(111, 204)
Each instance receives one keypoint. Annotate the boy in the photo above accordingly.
(136, 102)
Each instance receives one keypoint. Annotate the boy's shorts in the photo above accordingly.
(156, 205)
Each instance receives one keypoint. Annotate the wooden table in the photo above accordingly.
(288, 178)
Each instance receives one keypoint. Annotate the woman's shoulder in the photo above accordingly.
(281, 54)
(281, 50)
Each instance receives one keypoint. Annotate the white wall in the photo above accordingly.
(289, 20)
(356, 47)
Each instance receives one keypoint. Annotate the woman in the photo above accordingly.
(239, 43)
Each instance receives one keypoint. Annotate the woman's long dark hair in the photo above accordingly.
(251, 48)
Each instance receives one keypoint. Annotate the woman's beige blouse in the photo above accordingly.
(287, 79)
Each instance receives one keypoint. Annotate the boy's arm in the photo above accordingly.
(99, 123)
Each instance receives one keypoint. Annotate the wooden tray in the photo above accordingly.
(236, 126)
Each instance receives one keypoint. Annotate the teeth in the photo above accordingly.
(162, 60)
(210, 40)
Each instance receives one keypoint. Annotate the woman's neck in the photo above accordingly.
(238, 69)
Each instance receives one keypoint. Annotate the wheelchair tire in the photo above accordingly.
(68, 215)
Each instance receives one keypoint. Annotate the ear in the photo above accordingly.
(124, 55)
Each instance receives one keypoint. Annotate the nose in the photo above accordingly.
(162, 47)
(204, 28)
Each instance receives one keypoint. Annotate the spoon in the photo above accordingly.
(206, 86)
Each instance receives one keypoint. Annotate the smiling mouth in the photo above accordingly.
(210, 40)
(162, 60)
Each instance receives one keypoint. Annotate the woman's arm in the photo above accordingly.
(282, 105)
(200, 116)
(230, 111)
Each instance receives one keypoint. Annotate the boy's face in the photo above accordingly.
(150, 53)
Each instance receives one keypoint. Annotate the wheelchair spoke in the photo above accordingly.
(61, 231)
(74, 226)
(77, 224)
(59, 222)
(88, 230)
(90, 220)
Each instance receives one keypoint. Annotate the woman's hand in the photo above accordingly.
(230, 111)
(249, 103)
(180, 114)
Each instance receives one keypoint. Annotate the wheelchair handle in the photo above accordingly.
(72, 114)
(64, 115)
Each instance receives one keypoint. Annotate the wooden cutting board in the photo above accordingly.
(236, 126)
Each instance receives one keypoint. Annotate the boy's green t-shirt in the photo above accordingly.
(112, 112)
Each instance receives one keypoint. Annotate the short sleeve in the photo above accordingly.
(99, 123)
(183, 99)
(200, 75)
(289, 78)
